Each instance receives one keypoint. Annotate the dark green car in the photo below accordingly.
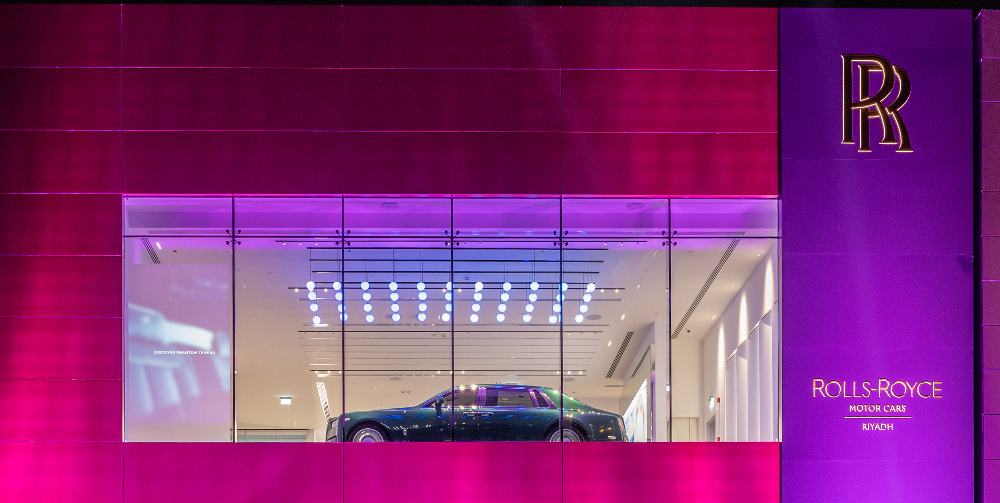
(492, 412)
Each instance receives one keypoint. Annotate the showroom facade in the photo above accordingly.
(523, 121)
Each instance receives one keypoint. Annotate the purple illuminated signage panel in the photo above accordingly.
(876, 121)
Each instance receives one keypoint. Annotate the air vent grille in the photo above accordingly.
(704, 289)
(637, 367)
(618, 357)
(150, 250)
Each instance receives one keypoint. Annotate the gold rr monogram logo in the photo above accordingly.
(870, 107)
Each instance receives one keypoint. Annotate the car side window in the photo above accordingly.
(463, 398)
(498, 397)
(542, 402)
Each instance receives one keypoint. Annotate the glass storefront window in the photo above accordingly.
(455, 319)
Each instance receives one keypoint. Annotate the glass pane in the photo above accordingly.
(724, 305)
(288, 364)
(616, 265)
(398, 336)
(507, 340)
(177, 216)
(178, 339)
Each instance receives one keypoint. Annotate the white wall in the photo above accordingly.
(743, 315)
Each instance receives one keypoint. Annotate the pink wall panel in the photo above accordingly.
(451, 100)
(991, 488)
(301, 36)
(991, 167)
(990, 224)
(670, 101)
(991, 347)
(227, 472)
(451, 163)
(671, 38)
(60, 98)
(990, 123)
(60, 35)
(231, 98)
(60, 348)
(60, 286)
(63, 224)
(60, 161)
(670, 164)
(243, 162)
(991, 436)
(991, 302)
(991, 258)
(673, 472)
(450, 37)
(60, 410)
(991, 391)
(64, 472)
(481, 472)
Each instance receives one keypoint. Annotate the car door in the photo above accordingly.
(510, 414)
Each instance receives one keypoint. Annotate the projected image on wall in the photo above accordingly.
(636, 416)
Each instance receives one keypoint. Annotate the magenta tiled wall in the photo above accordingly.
(105, 100)
(989, 46)
(60, 253)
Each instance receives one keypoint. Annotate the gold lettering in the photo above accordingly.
(880, 387)
(911, 388)
(840, 388)
(818, 388)
(920, 385)
(867, 387)
(892, 389)
(935, 389)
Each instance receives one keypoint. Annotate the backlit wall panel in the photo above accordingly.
(108, 99)
(878, 262)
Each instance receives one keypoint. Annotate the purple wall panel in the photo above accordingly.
(63, 224)
(85, 472)
(450, 37)
(301, 36)
(673, 472)
(451, 163)
(60, 286)
(60, 98)
(60, 410)
(60, 161)
(60, 348)
(232, 98)
(451, 100)
(227, 162)
(699, 164)
(670, 101)
(466, 471)
(673, 38)
(60, 35)
(228, 472)
(865, 295)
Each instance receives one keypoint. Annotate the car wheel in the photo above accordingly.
(568, 435)
(368, 434)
